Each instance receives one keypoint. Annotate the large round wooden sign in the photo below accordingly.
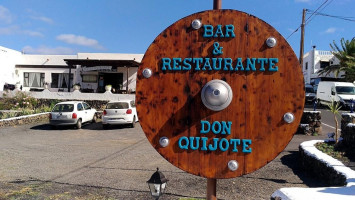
(219, 93)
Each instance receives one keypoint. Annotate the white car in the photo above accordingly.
(120, 112)
(72, 113)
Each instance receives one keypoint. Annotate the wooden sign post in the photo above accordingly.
(219, 94)
(212, 182)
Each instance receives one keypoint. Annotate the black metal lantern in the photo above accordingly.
(157, 184)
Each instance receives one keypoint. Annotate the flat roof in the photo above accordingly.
(99, 62)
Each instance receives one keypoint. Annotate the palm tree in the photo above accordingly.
(346, 56)
(334, 107)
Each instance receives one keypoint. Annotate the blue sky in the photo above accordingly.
(129, 26)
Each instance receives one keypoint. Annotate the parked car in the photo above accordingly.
(119, 112)
(72, 113)
(342, 92)
(310, 94)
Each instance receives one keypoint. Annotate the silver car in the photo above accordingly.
(119, 112)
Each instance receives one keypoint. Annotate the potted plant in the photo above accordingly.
(46, 85)
(108, 87)
(334, 107)
(18, 85)
(76, 86)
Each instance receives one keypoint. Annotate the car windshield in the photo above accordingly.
(345, 90)
(309, 90)
(117, 105)
(63, 108)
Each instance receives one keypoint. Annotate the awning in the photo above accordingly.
(99, 62)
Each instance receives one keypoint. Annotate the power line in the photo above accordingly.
(308, 19)
(324, 5)
(352, 19)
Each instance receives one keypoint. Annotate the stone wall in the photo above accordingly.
(321, 170)
(310, 123)
(31, 119)
(348, 129)
(28, 119)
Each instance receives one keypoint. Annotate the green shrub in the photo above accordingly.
(43, 109)
(6, 115)
(20, 101)
(2, 105)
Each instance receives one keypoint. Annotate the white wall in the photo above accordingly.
(313, 58)
(45, 61)
(11, 74)
(8, 59)
(47, 75)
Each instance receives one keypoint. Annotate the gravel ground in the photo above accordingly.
(40, 163)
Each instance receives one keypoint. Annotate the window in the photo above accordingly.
(117, 105)
(88, 78)
(63, 108)
(306, 65)
(309, 90)
(60, 80)
(86, 106)
(133, 105)
(345, 90)
(324, 64)
(80, 107)
(33, 79)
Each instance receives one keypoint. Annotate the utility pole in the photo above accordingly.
(217, 4)
(302, 37)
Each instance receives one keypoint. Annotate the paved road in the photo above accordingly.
(119, 161)
(328, 123)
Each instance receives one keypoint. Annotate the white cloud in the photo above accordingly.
(330, 30)
(5, 15)
(48, 50)
(9, 30)
(37, 16)
(33, 33)
(43, 19)
(14, 29)
(79, 40)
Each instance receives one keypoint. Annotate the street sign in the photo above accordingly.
(220, 93)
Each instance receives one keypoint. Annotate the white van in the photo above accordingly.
(342, 92)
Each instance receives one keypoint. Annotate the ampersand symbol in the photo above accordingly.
(217, 49)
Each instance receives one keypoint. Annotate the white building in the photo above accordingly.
(315, 60)
(91, 70)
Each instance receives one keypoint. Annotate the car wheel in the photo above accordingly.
(133, 122)
(78, 124)
(94, 119)
(105, 126)
(318, 103)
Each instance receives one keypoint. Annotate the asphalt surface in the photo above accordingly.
(119, 161)
(328, 123)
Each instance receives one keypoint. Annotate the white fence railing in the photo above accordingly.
(75, 95)
(325, 53)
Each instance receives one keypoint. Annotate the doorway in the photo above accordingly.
(114, 79)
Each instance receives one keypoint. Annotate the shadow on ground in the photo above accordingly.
(86, 126)
(292, 160)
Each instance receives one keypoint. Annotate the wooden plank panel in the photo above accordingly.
(169, 102)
